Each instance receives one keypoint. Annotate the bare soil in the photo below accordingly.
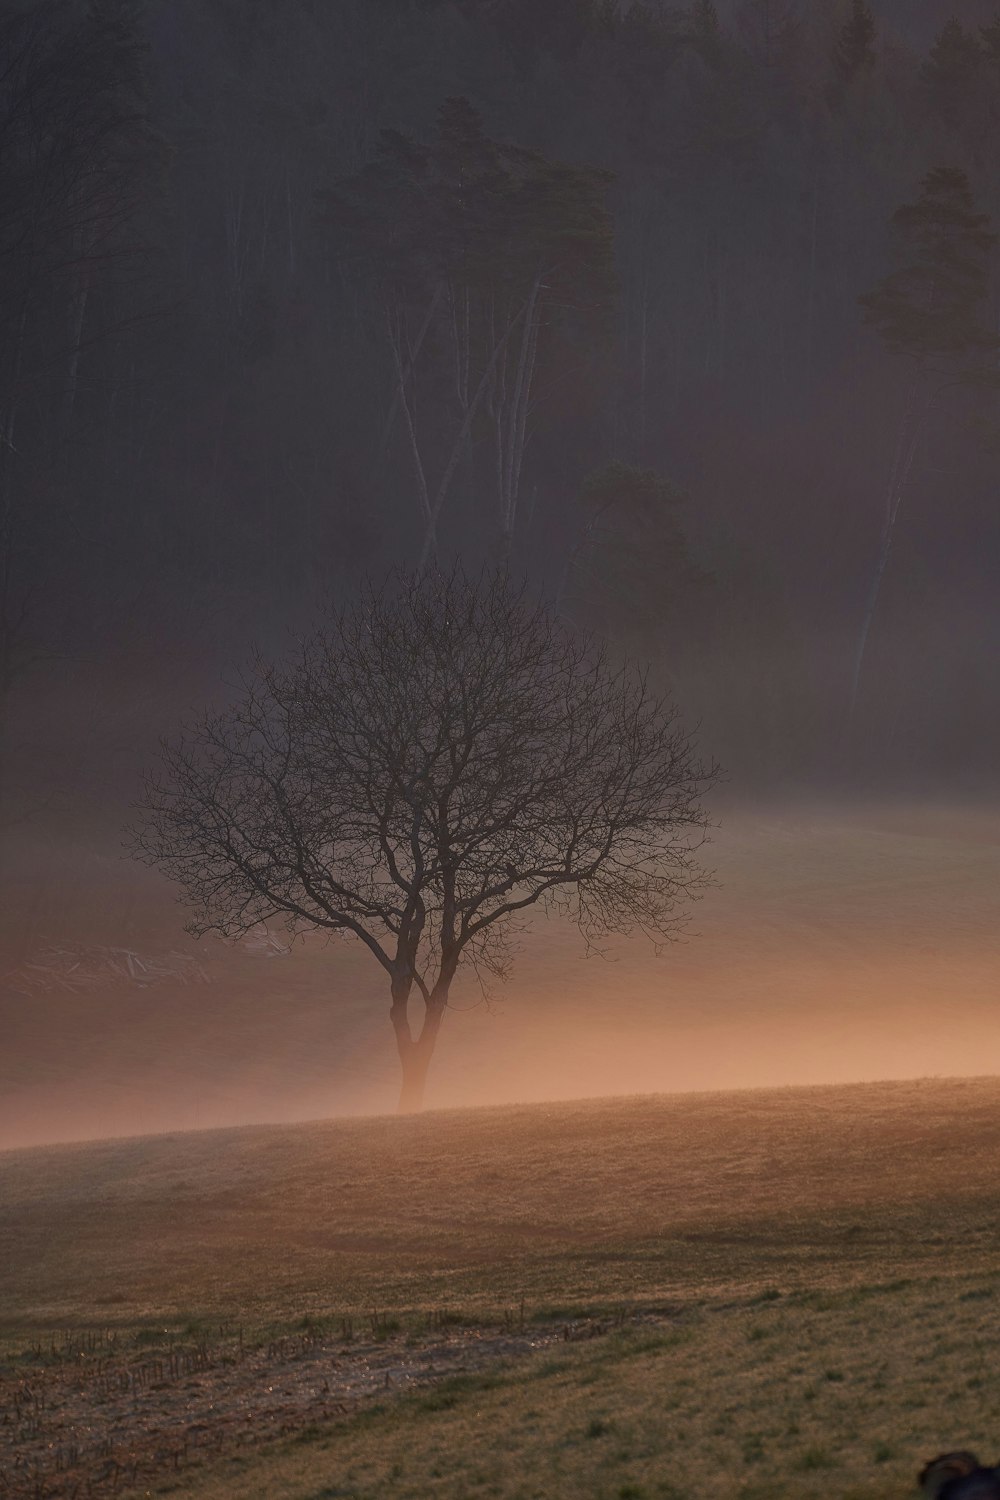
(92, 1415)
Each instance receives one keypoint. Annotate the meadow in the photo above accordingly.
(770, 1293)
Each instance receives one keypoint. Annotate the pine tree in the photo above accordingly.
(934, 302)
(631, 573)
(990, 37)
(480, 254)
(854, 53)
(704, 29)
(704, 20)
(948, 75)
(606, 18)
(770, 27)
(932, 309)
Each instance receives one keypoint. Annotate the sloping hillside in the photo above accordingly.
(610, 1200)
(773, 1291)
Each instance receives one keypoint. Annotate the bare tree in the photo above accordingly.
(436, 761)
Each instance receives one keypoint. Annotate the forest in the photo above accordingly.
(655, 346)
(687, 314)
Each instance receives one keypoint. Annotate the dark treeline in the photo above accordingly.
(294, 290)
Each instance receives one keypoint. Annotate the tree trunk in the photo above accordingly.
(78, 315)
(415, 1053)
(907, 441)
(459, 445)
(411, 1095)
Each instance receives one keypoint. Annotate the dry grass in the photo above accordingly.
(813, 1395)
(606, 1201)
(817, 1267)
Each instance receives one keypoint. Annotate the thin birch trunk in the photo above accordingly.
(907, 441)
(402, 380)
(72, 375)
(12, 618)
(460, 336)
(411, 430)
(811, 290)
(515, 436)
(289, 224)
(430, 539)
(520, 433)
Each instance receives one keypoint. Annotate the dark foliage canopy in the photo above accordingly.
(936, 301)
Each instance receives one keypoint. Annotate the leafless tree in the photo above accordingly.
(433, 763)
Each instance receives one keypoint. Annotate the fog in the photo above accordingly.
(248, 340)
(836, 946)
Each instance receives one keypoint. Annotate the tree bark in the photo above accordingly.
(415, 1053)
(411, 1095)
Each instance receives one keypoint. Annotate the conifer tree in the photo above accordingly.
(948, 76)
(933, 302)
(704, 22)
(631, 573)
(990, 38)
(854, 53)
(770, 27)
(478, 252)
(931, 309)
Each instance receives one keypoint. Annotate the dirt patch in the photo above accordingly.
(84, 1417)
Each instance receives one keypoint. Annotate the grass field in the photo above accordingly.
(773, 1293)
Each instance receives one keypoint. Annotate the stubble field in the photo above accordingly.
(773, 1293)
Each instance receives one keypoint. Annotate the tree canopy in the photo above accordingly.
(935, 302)
(431, 765)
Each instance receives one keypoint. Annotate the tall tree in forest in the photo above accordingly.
(932, 310)
(631, 576)
(473, 255)
(75, 150)
(770, 28)
(854, 52)
(705, 30)
(990, 37)
(948, 76)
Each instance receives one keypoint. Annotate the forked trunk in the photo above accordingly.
(415, 1053)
